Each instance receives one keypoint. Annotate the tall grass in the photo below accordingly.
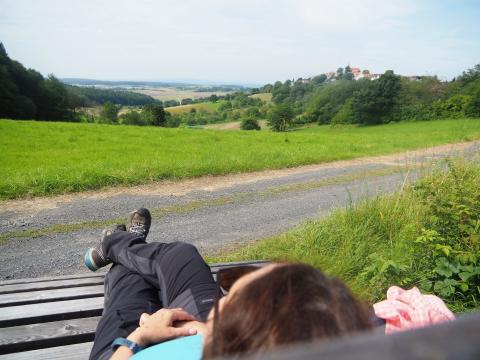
(43, 158)
(427, 236)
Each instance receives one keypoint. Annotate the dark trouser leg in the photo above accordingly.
(176, 270)
(127, 296)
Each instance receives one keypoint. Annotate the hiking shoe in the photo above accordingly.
(139, 222)
(94, 257)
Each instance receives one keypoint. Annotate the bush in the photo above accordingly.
(109, 113)
(132, 118)
(473, 108)
(173, 121)
(344, 115)
(281, 117)
(249, 124)
(455, 106)
(450, 239)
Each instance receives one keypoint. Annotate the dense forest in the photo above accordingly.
(87, 96)
(26, 94)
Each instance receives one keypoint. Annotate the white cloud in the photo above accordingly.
(249, 40)
(347, 15)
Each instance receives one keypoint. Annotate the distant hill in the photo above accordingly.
(153, 84)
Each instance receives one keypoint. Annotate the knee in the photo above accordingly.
(185, 249)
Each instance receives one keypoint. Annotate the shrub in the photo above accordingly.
(450, 240)
(456, 106)
(281, 117)
(109, 113)
(132, 118)
(249, 123)
(344, 115)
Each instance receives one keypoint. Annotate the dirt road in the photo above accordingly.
(48, 236)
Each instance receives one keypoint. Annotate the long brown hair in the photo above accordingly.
(292, 302)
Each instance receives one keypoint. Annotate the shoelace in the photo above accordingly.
(138, 229)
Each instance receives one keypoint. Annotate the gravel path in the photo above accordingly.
(212, 213)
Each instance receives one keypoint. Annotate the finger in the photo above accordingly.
(177, 315)
(143, 318)
(182, 332)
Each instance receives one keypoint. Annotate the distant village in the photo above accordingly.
(357, 74)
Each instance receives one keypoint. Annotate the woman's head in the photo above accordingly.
(281, 304)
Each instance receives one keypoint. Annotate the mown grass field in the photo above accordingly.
(171, 93)
(206, 106)
(44, 158)
(267, 97)
(235, 125)
(427, 235)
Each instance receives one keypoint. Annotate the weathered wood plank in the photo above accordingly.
(215, 267)
(53, 278)
(40, 296)
(35, 336)
(70, 352)
(51, 311)
(49, 285)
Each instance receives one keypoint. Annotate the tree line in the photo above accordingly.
(343, 100)
(26, 94)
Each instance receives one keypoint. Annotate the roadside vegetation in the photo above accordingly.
(427, 235)
(44, 158)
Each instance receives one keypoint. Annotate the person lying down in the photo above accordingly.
(162, 302)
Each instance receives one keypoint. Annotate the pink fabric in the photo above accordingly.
(408, 309)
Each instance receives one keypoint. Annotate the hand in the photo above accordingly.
(158, 327)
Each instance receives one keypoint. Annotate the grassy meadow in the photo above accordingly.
(267, 97)
(206, 106)
(44, 158)
(172, 93)
(426, 236)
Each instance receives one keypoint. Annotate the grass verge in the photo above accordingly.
(45, 158)
(427, 235)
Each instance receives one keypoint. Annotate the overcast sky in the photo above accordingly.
(243, 41)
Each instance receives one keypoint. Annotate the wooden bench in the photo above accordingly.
(55, 317)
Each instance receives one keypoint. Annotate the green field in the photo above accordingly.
(425, 236)
(206, 106)
(267, 97)
(44, 158)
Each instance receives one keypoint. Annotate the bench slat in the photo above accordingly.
(51, 311)
(49, 285)
(35, 336)
(40, 296)
(53, 278)
(215, 267)
(70, 352)
(46, 283)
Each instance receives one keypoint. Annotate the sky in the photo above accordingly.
(240, 41)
